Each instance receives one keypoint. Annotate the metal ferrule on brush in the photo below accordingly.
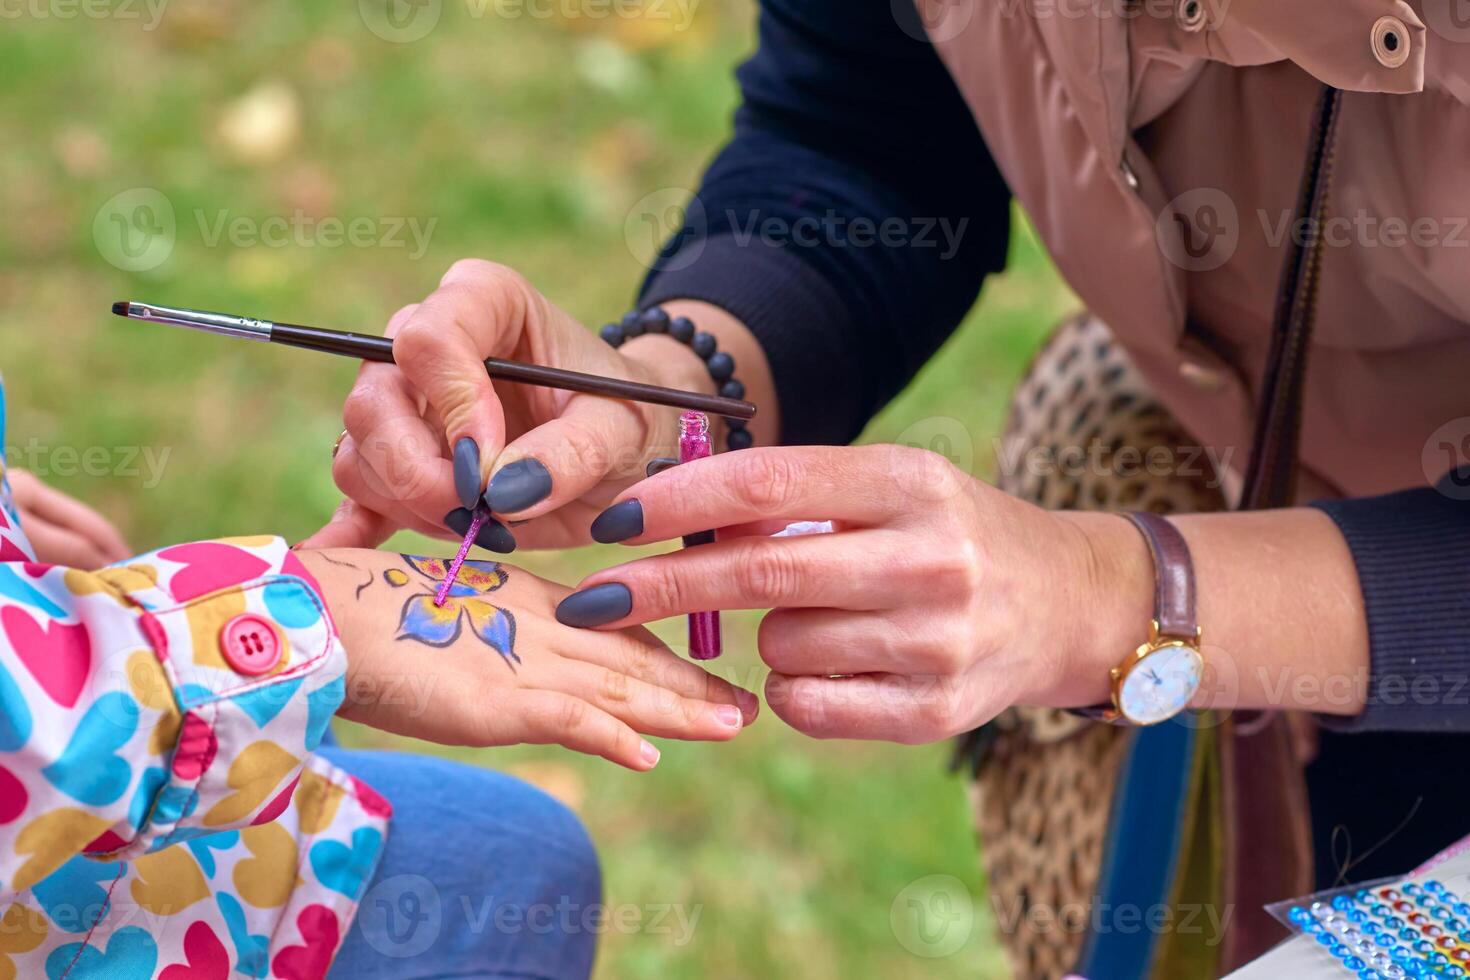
(220, 323)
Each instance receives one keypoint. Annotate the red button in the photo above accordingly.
(250, 645)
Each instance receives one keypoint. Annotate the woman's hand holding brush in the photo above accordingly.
(430, 437)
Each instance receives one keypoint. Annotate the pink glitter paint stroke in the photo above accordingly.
(705, 641)
(476, 522)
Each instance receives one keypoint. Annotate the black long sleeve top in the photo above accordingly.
(850, 223)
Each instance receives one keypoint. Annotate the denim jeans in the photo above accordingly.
(482, 876)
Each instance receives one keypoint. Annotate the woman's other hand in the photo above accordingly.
(937, 602)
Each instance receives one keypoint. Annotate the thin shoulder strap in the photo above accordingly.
(1270, 479)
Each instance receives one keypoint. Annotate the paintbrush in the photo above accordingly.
(366, 347)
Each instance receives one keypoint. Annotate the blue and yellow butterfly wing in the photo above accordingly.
(421, 620)
(479, 577)
(496, 627)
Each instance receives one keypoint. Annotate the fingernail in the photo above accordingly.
(749, 703)
(493, 536)
(596, 606)
(518, 485)
(659, 465)
(649, 754)
(467, 471)
(729, 716)
(618, 523)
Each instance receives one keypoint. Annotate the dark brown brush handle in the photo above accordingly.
(1173, 576)
(369, 348)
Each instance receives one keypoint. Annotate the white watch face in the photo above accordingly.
(1160, 685)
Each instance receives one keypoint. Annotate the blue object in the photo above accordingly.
(1144, 834)
(520, 898)
(130, 954)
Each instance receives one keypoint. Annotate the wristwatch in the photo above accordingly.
(1159, 679)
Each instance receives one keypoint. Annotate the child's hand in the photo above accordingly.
(494, 667)
(62, 529)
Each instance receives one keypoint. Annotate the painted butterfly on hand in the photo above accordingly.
(439, 626)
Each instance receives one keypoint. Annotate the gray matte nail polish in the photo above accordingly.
(596, 606)
(519, 485)
(494, 536)
(467, 471)
(618, 523)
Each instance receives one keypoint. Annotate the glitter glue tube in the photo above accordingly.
(477, 521)
(704, 627)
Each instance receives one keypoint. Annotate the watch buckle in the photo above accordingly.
(1155, 639)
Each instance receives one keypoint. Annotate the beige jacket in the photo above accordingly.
(1157, 147)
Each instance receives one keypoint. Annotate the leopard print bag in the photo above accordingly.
(1045, 778)
(1045, 781)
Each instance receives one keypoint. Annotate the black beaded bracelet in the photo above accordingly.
(721, 366)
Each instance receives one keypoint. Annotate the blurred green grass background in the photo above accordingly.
(526, 139)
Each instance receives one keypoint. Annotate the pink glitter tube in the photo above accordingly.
(704, 627)
(476, 522)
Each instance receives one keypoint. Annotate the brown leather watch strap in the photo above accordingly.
(1173, 594)
(1173, 576)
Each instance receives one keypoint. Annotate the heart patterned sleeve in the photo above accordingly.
(160, 804)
